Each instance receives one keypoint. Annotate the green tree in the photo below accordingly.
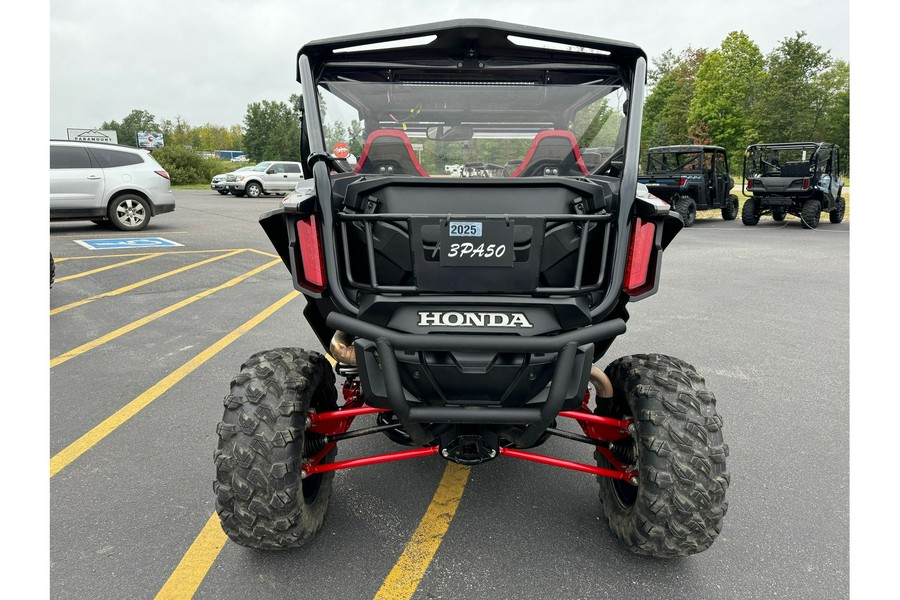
(215, 137)
(790, 107)
(236, 137)
(835, 124)
(661, 66)
(127, 130)
(724, 93)
(591, 121)
(355, 137)
(272, 131)
(667, 107)
(179, 133)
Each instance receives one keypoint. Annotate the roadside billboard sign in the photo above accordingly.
(106, 136)
(150, 139)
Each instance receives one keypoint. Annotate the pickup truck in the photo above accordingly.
(265, 178)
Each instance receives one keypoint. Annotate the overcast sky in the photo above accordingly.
(206, 60)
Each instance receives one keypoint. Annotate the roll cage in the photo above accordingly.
(472, 53)
(793, 159)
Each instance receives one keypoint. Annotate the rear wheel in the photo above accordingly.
(778, 214)
(261, 500)
(750, 213)
(129, 212)
(223, 192)
(678, 505)
(837, 215)
(687, 208)
(730, 208)
(810, 214)
(238, 193)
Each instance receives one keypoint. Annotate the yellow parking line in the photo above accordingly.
(108, 267)
(89, 439)
(152, 317)
(187, 576)
(400, 584)
(404, 578)
(134, 286)
(263, 253)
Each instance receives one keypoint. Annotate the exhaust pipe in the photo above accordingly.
(602, 384)
(341, 348)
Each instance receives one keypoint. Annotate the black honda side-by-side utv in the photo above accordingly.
(691, 178)
(466, 314)
(800, 178)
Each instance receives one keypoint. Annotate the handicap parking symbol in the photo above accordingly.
(130, 243)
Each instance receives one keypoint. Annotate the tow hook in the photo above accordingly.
(470, 449)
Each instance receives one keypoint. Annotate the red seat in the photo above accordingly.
(388, 152)
(553, 152)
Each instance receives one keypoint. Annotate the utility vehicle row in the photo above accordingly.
(801, 179)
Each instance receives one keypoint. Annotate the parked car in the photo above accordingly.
(218, 181)
(107, 183)
(265, 178)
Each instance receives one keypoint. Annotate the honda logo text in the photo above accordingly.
(473, 319)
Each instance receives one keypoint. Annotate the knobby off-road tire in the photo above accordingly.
(730, 208)
(261, 500)
(810, 214)
(678, 505)
(778, 214)
(837, 215)
(750, 213)
(687, 208)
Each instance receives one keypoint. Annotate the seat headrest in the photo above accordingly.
(388, 152)
(554, 148)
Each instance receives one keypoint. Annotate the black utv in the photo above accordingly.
(691, 178)
(801, 179)
(464, 316)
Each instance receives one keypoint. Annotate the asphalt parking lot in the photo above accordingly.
(145, 339)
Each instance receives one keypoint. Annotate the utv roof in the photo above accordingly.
(474, 39)
(684, 148)
(792, 145)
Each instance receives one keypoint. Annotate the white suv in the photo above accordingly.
(101, 182)
(264, 178)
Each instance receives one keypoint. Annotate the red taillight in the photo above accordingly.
(163, 174)
(311, 252)
(683, 181)
(749, 184)
(806, 183)
(640, 249)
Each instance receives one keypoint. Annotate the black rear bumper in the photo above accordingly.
(378, 348)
